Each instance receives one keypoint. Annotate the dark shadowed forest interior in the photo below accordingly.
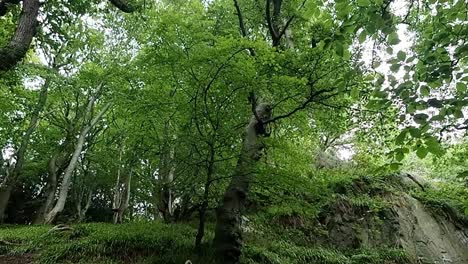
(234, 131)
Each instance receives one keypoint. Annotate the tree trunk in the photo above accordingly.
(228, 233)
(4, 199)
(9, 181)
(204, 205)
(81, 211)
(122, 198)
(117, 190)
(165, 178)
(56, 166)
(66, 180)
(25, 31)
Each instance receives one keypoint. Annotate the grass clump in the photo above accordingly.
(105, 243)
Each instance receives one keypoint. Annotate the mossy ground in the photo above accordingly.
(280, 232)
(156, 242)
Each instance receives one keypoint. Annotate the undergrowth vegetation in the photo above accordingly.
(283, 226)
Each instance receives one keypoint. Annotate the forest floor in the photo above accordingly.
(352, 220)
(21, 259)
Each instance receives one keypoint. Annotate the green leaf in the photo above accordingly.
(420, 118)
(395, 166)
(393, 39)
(424, 90)
(421, 152)
(433, 102)
(401, 55)
(355, 93)
(339, 49)
(414, 132)
(434, 146)
(461, 87)
(399, 155)
(401, 137)
(364, 2)
(362, 36)
(458, 113)
(395, 67)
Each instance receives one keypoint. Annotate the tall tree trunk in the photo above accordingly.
(165, 177)
(204, 204)
(117, 190)
(25, 31)
(9, 181)
(228, 233)
(122, 199)
(55, 167)
(66, 180)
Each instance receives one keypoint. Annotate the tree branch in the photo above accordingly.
(123, 6)
(16, 49)
(242, 25)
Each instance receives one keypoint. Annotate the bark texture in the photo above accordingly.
(228, 233)
(16, 49)
(55, 167)
(66, 180)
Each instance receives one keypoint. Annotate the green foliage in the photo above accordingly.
(296, 254)
(447, 199)
(104, 243)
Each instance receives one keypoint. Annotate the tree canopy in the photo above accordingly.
(166, 110)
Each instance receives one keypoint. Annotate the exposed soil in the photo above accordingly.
(23, 259)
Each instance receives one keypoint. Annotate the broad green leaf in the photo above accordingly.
(415, 132)
(420, 118)
(434, 147)
(458, 113)
(395, 166)
(395, 67)
(362, 36)
(461, 87)
(421, 152)
(400, 139)
(393, 39)
(425, 91)
(401, 55)
(399, 155)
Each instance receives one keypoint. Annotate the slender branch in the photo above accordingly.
(290, 20)
(242, 25)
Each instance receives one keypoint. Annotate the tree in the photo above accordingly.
(26, 29)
